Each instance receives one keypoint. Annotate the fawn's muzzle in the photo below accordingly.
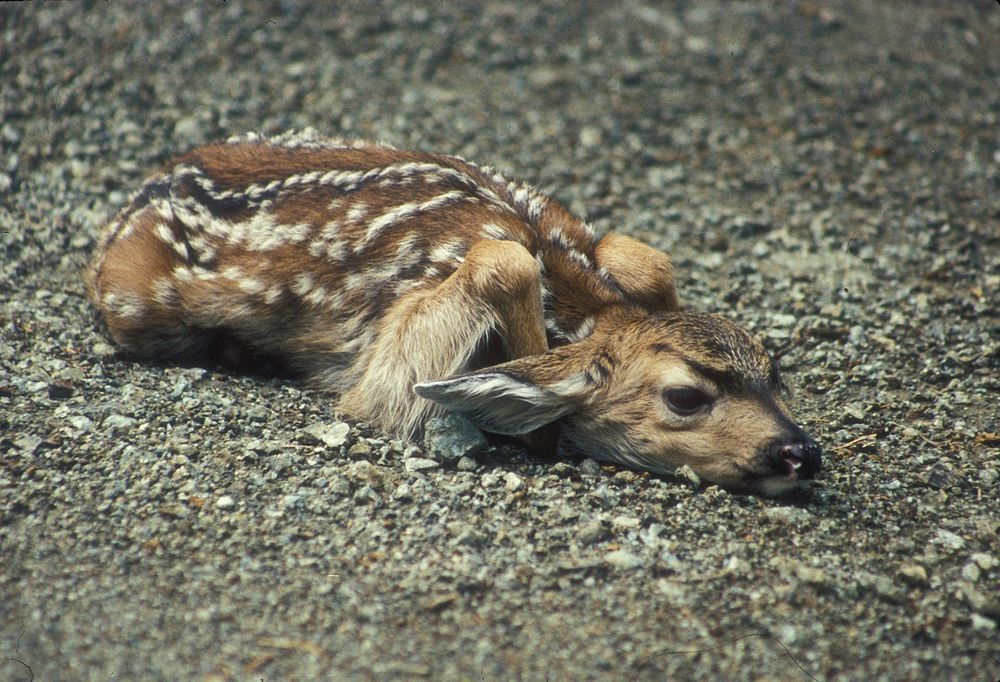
(799, 457)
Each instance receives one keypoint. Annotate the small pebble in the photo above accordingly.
(913, 574)
(513, 482)
(331, 435)
(591, 532)
(623, 559)
(419, 464)
(451, 437)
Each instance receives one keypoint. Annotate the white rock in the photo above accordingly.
(983, 560)
(623, 559)
(513, 482)
(331, 435)
(970, 572)
(625, 522)
(983, 623)
(118, 421)
(787, 514)
(419, 464)
(946, 538)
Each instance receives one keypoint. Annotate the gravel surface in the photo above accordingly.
(828, 174)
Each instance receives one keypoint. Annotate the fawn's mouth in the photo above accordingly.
(782, 467)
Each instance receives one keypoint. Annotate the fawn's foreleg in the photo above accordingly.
(436, 333)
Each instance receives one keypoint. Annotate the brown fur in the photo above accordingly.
(378, 272)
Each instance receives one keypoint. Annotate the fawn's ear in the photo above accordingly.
(512, 398)
(644, 273)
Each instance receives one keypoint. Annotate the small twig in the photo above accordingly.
(867, 436)
(288, 644)
(30, 671)
(921, 436)
(765, 635)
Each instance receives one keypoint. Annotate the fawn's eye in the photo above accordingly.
(686, 401)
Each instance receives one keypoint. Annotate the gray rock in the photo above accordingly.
(188, 130)
(984, 561)
(971, 572)
(467, 464)
(451, 437)
(281, 464)
(322, 433)
(339, 486)
(590, 532)
(119, 422)
(420, 464)
(913, 574)
(80, 422)
(789, 515)
(948, 540)
(28, 444)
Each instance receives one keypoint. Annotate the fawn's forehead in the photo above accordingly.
(715, 348)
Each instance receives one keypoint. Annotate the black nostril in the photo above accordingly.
(801, 458)
(792, 451)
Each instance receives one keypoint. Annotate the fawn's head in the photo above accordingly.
(652, 392)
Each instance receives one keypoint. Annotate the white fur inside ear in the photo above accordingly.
(500, 403)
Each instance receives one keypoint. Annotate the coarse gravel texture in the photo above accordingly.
(827, 174)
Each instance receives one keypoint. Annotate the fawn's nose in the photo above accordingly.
(801, 458)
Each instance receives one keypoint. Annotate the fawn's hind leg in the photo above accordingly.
(132, 282)
(436, 333)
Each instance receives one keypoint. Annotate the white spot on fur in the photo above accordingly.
(448, 251)
(164, 292)
(203, 273)
(494, 231)
(408, 210)
(318, 295)
(583, 331)
(330, 230)
(273, 294)
(357, 212)
(165, 234)
(317, 248)
(127, 306)
(336, 251)
(571, 386)
(303, 283)
(559, 238)
(251, 285)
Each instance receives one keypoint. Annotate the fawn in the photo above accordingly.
(410, 283)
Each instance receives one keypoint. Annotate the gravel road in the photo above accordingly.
(826, 173)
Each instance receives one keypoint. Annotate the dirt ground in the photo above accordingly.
(825, 173)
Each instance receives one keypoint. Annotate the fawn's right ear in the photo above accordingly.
(644, 273)
(513, 398)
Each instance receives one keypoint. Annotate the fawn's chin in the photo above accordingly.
(779, 486)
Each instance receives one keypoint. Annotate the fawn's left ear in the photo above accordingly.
(513, 398)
